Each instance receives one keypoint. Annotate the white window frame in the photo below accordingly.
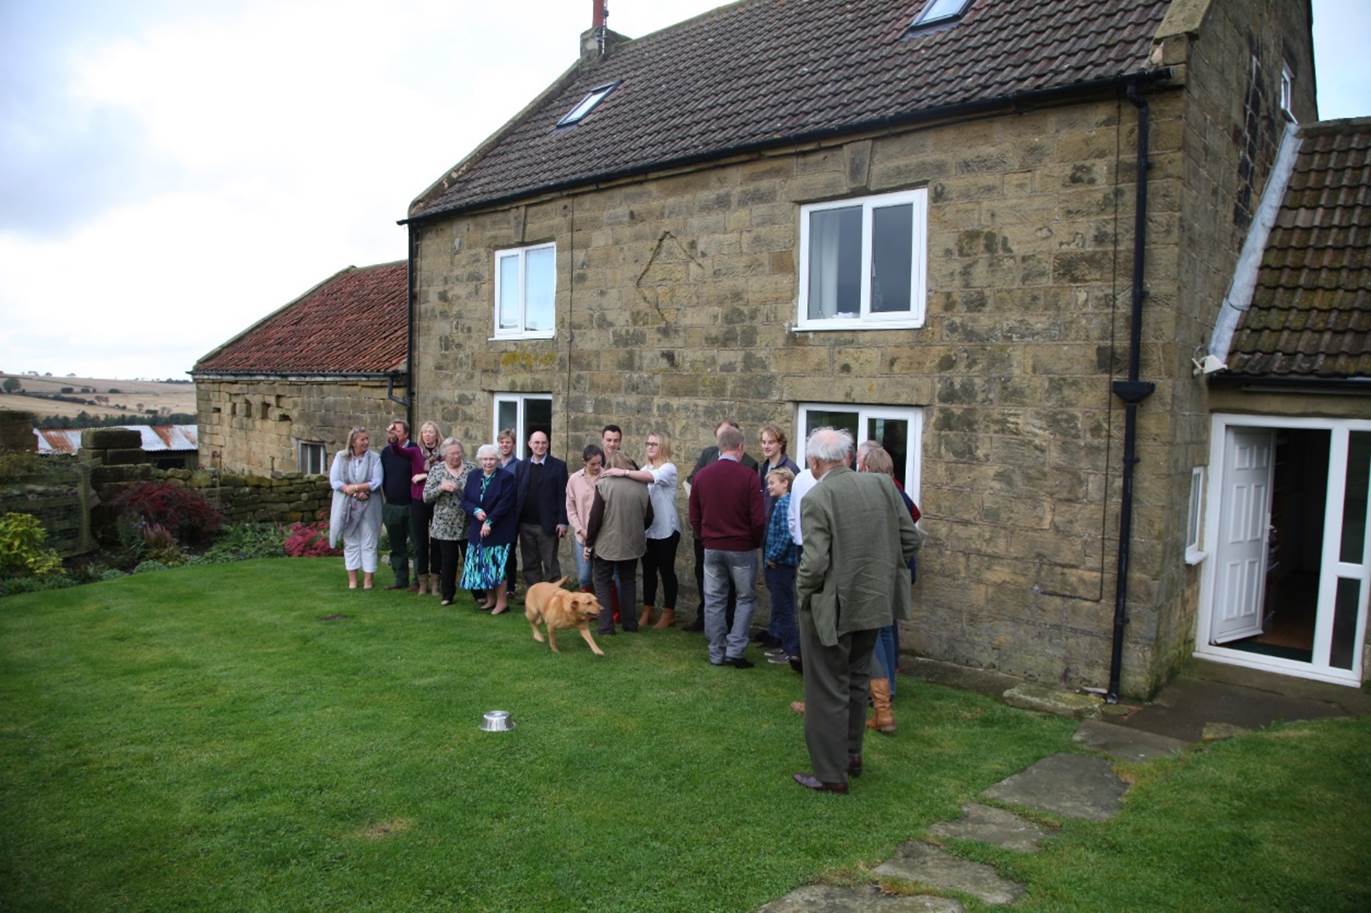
(302, 460)
(520, 425)
(927, 15)
(1288, 93)
(865, 320)
(913, 415)
(587, 104)
(521, 332)
(1194, 518)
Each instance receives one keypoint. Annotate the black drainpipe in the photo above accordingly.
(1132, 392)
(408, 399)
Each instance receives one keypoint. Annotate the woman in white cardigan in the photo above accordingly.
(355, 517)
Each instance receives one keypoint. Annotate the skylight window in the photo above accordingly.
(937, 11)
(586, 105)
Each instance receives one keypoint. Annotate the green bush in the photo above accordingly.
(145, 567)
(21, 548)
(242, 541)
(13, 586)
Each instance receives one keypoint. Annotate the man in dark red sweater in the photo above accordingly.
(727, 515)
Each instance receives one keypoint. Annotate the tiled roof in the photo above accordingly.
(1311, 310)
(761, 73)
(354, 322)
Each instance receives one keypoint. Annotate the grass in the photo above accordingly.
(199, 739)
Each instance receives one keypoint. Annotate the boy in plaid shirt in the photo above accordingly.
(781, 555)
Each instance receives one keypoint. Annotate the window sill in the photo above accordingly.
(819, 326)
(1195, 556)
(516, 337)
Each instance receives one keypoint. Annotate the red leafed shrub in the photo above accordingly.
(184, 512)
(309, 540)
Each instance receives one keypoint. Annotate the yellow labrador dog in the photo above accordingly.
(548, 604)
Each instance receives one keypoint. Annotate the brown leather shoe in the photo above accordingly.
(809, 781)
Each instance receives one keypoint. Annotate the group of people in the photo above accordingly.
(837, 557)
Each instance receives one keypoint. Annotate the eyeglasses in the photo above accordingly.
(653, 444)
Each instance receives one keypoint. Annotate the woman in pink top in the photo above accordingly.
(580, 495)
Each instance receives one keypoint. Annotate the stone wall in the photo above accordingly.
(256, 426)
(54, 489)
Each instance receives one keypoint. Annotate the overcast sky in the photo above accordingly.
(170, 174)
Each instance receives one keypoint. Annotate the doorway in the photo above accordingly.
(1285, 587)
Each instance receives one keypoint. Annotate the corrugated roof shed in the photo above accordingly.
(354, 322)
(156, 438)
(1311, 310)
(761, 73)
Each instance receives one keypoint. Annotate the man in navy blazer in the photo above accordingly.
(540, 502)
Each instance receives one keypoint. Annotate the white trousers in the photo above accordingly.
(359, 547)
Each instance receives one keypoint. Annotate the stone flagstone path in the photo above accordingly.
(1065, 785)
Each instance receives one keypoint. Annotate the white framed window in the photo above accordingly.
(312, 458)
(524, 413)
(1288, 92)
(525, 292)
(586, 104)
(1194, 518)
(899, 429)
(863, 262)
(936, 11)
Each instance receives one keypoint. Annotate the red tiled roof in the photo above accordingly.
(1311, 310)
(355, 322)
(762, 73)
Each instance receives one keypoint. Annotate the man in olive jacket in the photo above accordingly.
(853, 579)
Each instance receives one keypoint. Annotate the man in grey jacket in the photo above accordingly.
(853, 579)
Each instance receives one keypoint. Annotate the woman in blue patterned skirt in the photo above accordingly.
(488, 500)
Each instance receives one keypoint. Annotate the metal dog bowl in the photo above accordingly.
(496, 721)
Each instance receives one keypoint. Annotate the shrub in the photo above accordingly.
(21, 548)
(145, 567)
(160, 545)
(242, 541)
(309, 540)
(183, 511)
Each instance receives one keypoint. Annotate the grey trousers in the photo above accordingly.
(539, 554)
(836, 681)
(722, 568)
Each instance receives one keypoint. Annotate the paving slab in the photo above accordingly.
(1125, 744)
(1044, 699)
(1070, 785)
(994, 826)
(926, 864)
(819, 898)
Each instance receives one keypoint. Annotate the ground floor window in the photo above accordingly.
(525, 413)
(899, 429)
(1288, 564)
(312, 458)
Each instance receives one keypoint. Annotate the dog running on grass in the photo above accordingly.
(549, 604)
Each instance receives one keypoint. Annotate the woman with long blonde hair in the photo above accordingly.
(664, 535)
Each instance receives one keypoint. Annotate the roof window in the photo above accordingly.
(936, 12)
(586, 105)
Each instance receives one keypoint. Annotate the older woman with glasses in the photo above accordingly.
(355, 516)
(492, 524)
(443, 491)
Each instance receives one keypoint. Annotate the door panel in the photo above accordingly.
(1244, 521)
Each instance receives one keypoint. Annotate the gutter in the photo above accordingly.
(1258, 382)
(1132, 393)
(962, 109)
(318, 377)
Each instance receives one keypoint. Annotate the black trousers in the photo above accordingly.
(427, 554)
(700, 586)
(452, 555)
(660, 558)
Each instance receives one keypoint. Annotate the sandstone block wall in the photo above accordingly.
(256, 426)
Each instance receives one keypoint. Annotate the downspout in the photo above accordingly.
(408, 399)
(1131, 392)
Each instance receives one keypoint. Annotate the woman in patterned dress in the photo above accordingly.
(428, 561)
(492, 525)
(447, 531)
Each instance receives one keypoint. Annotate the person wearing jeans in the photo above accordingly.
(781, 555)
(580, 497)
(726, 515)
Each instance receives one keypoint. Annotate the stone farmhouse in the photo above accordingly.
(997, 236)
(282, 395)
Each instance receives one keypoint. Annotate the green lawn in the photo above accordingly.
(201, 739)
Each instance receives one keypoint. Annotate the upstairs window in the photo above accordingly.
(937, 11)
(586, 105)
(525, 292)
(862, 262)
(1288, 93)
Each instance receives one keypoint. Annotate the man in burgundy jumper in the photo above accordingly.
(727, 515)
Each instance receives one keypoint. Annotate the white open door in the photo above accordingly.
(1244, 521)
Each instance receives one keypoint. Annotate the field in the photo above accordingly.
(132, 397)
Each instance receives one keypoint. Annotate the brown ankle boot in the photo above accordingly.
(883, 720)
(645, 616)
(666, 619)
